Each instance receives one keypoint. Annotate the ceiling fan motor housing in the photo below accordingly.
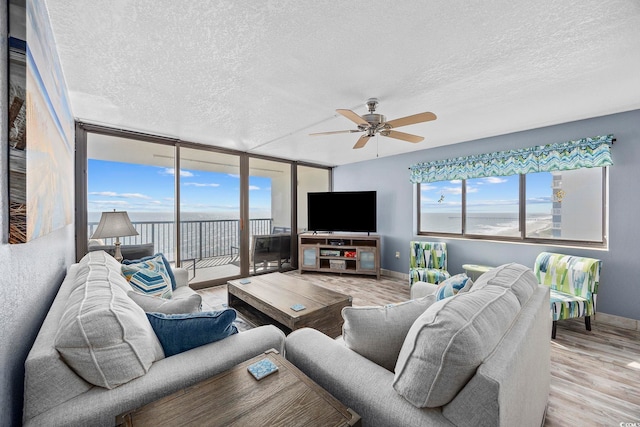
(374, 119)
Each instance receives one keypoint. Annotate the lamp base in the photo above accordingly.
(117, 254)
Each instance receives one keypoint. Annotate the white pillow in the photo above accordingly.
(448, 342)
(153, 304)
(377, 333)
(103, 335)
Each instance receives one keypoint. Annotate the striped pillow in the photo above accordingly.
(149, 276)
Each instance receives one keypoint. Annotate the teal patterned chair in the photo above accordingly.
(428, 262)
(574, 285)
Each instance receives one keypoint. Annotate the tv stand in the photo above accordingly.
(355, 254)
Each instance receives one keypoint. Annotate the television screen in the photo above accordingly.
(342, 211)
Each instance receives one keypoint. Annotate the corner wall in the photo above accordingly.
(618, 292)
(30, 274)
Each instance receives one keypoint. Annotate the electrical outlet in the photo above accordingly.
(398, 254)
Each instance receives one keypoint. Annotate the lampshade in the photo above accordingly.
(114, 224)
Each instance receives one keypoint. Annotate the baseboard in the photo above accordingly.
(618, 321)
(395, 274)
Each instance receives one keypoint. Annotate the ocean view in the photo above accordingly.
(496, 223)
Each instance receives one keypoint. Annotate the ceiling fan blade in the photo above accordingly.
(401, 135)
(335, 132)
(362, 141)
(353, 117)
(409, 120)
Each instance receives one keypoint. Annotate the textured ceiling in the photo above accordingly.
(259, 76)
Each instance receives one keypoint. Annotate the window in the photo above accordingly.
(441, 207)
(492, 206)
(545, 207)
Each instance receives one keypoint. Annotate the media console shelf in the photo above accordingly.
(339, 253)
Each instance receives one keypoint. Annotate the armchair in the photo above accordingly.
(574, 285)
(428, 262)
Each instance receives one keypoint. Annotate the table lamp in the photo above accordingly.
(115, 224)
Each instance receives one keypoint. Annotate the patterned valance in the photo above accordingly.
(583, 153)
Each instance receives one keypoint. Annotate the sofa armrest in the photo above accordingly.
(357, 382)
(181, 275)
(422, 289)
(99, 406)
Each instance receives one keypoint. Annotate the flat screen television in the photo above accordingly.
(353, 211)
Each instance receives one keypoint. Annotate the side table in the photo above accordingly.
(285, 398)
(474, 271)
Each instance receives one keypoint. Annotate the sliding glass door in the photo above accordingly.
(136, 177)
(209, 214)
(269, 215)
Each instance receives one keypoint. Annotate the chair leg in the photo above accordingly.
(553, 330)
(587, 322)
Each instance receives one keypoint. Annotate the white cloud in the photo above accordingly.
(427, 187)
(494, 180)
(253, 187)
(103, 193)
(202, 184)
(121, 195)
(134, 196)
(233, 175)
(172, 172)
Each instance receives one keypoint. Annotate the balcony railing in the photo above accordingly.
(201, 239)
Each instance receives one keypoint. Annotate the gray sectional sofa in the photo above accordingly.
(479, 358)
(116, 348)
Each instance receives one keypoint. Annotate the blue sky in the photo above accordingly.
(142, 188)
(492, 194)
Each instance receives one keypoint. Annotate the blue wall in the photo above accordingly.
(618, 293)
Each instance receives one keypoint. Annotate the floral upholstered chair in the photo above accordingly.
(574, 285)
(428, 262)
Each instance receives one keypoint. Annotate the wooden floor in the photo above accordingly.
(595, 376)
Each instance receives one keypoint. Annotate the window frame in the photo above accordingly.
(522, 220)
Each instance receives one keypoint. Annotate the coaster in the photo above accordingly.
(262, 368)
(297, 307)
(244, 281)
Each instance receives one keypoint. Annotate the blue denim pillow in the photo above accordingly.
(167, 266)
(182, 332)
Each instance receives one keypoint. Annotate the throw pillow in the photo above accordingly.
(102, 334)
(150, 275)
(453, 285)
(182, 332)
(377, 333)
(516, 277)
(149, 304)
(447, 343)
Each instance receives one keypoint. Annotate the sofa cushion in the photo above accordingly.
(377, 333)
(453, 285)
(448, 342)
(155, 304)
(517, 277)
(150, 275)
(182, 332)
(103, 335)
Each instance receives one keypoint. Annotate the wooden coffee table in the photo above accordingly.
(285, 398)
(268, 299)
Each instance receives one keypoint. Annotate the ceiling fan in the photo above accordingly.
(374, 123)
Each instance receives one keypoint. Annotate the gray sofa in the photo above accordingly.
(479, 358)
(130, 362)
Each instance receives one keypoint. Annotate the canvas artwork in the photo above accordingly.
(46, 203)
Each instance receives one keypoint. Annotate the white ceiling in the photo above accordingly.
(259, 76)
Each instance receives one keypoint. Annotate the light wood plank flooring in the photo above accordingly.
(595, 376)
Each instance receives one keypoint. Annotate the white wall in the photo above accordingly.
(30, 274)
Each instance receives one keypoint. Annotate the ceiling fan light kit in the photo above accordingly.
(374, 123)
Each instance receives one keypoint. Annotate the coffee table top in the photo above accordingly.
(285, 398)
(282, 291)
